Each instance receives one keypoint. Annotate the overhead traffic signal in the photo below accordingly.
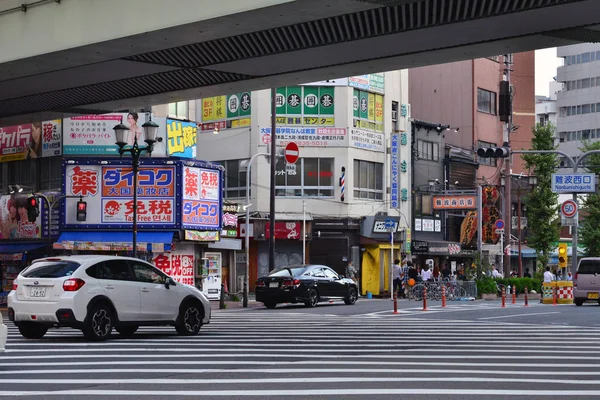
(493, 152)
(81, 210)
(33, 209)
(562, 255)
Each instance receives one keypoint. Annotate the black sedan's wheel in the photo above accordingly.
(313, 298)
(32, 330)
(190, 320)
(578, 302)
(351, 296)
(270, 304)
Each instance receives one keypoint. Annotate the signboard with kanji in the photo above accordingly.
(170, 194)
(573, 183)
(454, 202)
(178, 264)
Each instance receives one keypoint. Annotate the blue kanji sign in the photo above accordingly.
(573, 183)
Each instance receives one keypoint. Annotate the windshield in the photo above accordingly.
(51, 269)
(589, 267)
(288, 271)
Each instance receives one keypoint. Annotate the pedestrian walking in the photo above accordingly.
(405, 276)
(397, 276)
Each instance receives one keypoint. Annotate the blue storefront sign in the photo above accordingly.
(394, 169)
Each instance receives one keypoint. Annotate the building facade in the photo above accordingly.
(463, 98)
(352, 174)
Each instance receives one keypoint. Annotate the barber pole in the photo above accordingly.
(343, 183)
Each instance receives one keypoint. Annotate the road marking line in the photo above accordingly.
(520, 315)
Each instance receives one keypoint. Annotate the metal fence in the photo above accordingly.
(470, 287)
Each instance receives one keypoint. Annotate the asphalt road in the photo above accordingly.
(468, 350)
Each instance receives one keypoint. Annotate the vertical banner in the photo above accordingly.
(201, 198)
(326, 100)
(364, 105)
(281, 101)
(294, 100)
(371, 110)
(378, 109)
(355, 104)
(394, 166)
(208, 109)
(311, 100)
(181, 138)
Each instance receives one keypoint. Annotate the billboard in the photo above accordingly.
(305, 105)
(40, 139)
(306, 136)
(178, 264)
(108, 191)
(225, 112)
(201, 198)
(14, 223)
(370, 82)
(181, 138)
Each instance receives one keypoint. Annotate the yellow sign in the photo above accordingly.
(214, 108)
(379, 109)
(372, 126)
(371, 107)
(240, 123)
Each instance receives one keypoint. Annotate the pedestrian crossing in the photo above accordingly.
(276, 354)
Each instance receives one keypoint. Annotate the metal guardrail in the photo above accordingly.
(470, 287)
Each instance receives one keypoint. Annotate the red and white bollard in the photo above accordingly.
(554, 296)
(526, 302)
(514, 295)
(503, 297)
(395, 304)
(443, 296)
(424, 298)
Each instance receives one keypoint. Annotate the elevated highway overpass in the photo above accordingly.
(63, 57)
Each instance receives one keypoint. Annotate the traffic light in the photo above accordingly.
(493, 152)
(33, 209)
(81, 210)
(562, 255)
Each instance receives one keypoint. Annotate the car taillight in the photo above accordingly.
(575, 279)
(290, 282)
(15, 286)
(73, 284)
(260, 284)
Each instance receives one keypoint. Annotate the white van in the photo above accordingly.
(586, 282)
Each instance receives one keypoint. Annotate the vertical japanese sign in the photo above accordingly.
(181, 138)
(394, 166)
(224, 112)
(108, 191)
(305, 105)
(94, 134)
(178, 264)
(51, 138)
(201, 199)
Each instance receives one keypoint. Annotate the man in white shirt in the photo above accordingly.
(496, 274)
(426, 274)
(397, 275)
(548, 276)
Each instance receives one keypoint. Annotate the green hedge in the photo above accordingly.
(488, 285)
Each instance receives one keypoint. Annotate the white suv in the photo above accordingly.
(98, 293)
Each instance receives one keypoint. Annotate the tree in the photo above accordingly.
(589, 229)
(542, 203)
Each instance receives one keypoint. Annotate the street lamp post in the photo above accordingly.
(151, 131)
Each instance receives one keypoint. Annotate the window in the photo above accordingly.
(428, 150)
(486, 101)
(179, 110)
(585, 134)
(52, 269)
(562, 136)
(585, 58)
(235, 179)
(585, 109)
(147, 274)
(309, 177)
(542, 121)
(368, 180)
(50, 173)
(116, 270)
(485, 160)
(586, 83)
(21, 173)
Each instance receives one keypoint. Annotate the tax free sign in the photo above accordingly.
(573, 183)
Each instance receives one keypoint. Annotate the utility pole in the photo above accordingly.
(273, 170)
(507, 118)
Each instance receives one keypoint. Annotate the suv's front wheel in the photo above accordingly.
(190, 319)
(99, 323)
(32, 330)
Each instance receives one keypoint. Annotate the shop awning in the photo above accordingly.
(526, 251)
(155, 242)
(19, 247)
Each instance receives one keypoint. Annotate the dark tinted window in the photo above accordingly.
(146, 273)
(288, 271)
(589, 267)
(116, 270)
(330, 274)
(51, 269)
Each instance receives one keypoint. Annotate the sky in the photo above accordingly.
(546, 63)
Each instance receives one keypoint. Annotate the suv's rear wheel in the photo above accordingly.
(127, 330)
(99, 323)
(190, 319)
(32, 330)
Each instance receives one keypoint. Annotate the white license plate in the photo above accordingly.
(38, 292)
(274, 284)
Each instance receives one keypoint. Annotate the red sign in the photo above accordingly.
(178, 266)
(568, 209)
(284, 230)
(291, 153)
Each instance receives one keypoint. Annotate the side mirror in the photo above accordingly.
(170, 282)
(341, 276)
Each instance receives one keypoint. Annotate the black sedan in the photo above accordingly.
(308, 284)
